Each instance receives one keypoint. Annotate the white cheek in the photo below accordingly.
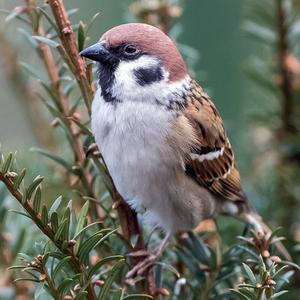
(126, 86)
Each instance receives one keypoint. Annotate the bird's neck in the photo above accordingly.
(122, 88)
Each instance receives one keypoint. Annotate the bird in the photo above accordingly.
(161, 136)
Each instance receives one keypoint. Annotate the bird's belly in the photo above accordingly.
(152, 186)
(137, 166)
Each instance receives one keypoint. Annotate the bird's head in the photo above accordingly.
(136, 63)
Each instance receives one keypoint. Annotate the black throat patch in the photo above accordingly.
(106, 76)
(145, 76)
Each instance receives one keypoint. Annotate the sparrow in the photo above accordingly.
(161, 136)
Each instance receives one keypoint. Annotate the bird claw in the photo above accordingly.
(149, 260)
(142, 266)
(92, 150)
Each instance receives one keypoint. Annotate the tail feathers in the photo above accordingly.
(255, 220)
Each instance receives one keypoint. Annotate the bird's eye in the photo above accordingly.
(130, 49)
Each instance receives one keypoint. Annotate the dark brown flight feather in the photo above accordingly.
(211, 161)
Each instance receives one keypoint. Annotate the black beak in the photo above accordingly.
(97, 52)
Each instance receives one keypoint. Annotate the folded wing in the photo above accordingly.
(211, 160)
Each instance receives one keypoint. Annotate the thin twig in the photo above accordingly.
(52, 71)
(67, 38)
(286, 82)
(287, 127)
(51, 68)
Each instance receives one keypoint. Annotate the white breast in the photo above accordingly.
(132, 138)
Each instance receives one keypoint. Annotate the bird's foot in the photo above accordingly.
(150, 258)
(92, 150)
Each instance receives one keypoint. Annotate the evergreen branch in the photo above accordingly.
(53, 74)
(67, 38)
(50, 66)
(45, 228)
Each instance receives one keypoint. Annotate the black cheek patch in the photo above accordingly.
(147, 76)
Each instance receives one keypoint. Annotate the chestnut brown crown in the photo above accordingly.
(149, 40)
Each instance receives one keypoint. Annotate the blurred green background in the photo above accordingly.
(220, 55)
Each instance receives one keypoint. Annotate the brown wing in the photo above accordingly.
(211, 160)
